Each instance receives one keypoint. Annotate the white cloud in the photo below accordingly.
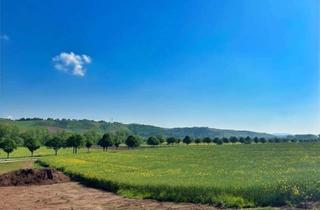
(4, 37)
(72, 63)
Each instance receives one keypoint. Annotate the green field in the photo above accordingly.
(227, 175)
(11, 166)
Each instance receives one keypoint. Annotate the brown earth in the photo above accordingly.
(72, 195)
(32, 177)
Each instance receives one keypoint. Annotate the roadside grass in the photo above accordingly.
(11, 166)
(227, 175)
(23, 152)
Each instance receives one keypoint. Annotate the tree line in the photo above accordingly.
(33, 139)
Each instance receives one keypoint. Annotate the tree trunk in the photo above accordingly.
(55, 152)
(31, 153)
(7, 154)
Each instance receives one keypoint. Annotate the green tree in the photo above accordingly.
(248, 140)
(132, 141)
(161, 139)
(31, 143)
(262, 140)
(119, 137)
(88, 144)
(187, 140)
(217, 141)
(8, 145)
(207, 140)
(75, 141)
(11, 132)
(233, 139)
(197, 141)
(225, 140)
(106, 141)
(56, 142)
(153, 141)
(91, 136)
(40, 134)
(171, 140)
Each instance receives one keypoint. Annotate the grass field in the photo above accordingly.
(11, 166)
(227, 175)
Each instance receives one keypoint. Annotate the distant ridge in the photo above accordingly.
(54, 125)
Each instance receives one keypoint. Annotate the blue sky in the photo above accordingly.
(242, 64)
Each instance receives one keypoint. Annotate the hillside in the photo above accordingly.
(54, 125)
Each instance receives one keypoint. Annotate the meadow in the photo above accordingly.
(227, 175)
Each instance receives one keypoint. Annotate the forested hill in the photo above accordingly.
(54, 125)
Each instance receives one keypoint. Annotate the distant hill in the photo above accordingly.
(54, 125)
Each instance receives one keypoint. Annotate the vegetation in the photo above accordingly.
(250, 171)
(145, 131)
(55, 143)
(88, 144)
(75, 141)
(106, 141)
(153, 141)
(7, 167)
(187, 140)
(8, 145)
(31, 143)
(171, 140)
(133, 141)
(237, 175)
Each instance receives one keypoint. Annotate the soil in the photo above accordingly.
(72, 195)
(32, 177)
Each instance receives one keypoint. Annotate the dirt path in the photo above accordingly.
(72, 195)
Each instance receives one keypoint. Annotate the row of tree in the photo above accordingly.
(11, 137)
(63, 140)
(242, 140)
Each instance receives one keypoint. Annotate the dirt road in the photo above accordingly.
(72, 195)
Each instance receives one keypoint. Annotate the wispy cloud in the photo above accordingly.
(71, 63)
(4, 37)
